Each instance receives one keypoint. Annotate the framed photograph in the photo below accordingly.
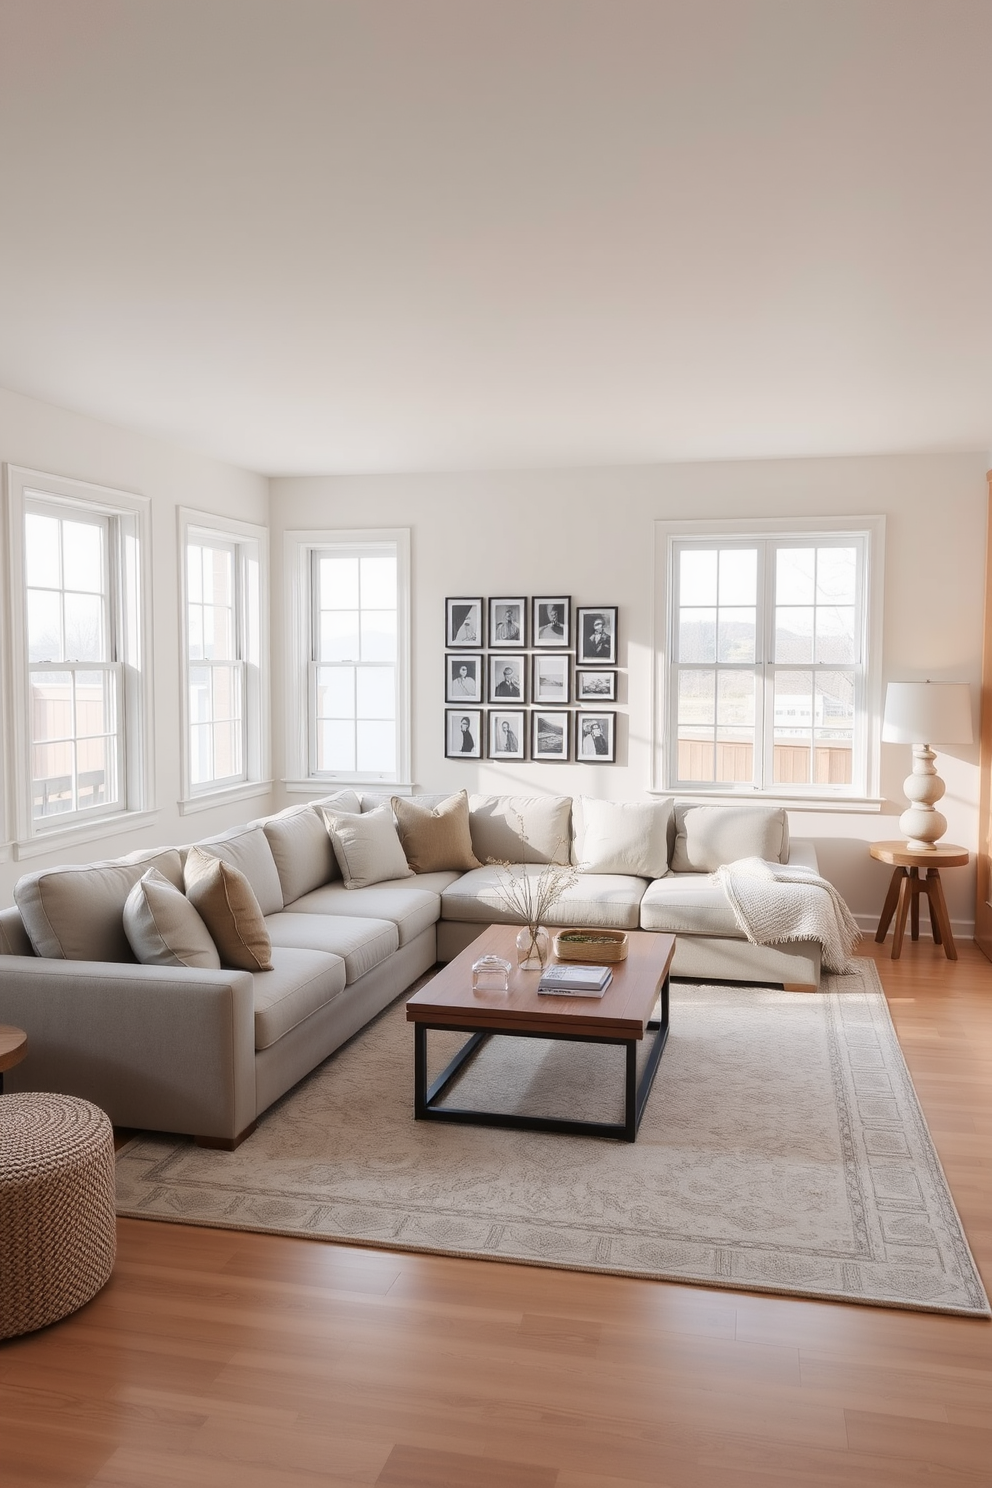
(597, 638)
(549, 735)
(595, 687)
(596, 738)
(507, 679)
(551, 622)
(463, 733)
(506, 733)
(507, 622)
(549, 678)
(463, 678)
(463, 622)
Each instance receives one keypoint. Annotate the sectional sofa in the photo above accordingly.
(179, 1041)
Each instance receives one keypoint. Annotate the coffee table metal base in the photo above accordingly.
(636, 1091)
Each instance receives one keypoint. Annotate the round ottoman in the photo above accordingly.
(58, 1232)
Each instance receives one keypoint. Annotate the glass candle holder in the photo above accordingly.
(491, 974)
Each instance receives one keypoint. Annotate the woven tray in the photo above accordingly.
(594, 947)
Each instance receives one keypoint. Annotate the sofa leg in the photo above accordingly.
(800, 987)
(226, 1144)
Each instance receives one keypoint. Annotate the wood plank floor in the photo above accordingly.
(217, 1358)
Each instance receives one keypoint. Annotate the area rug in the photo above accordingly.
(782, 1149)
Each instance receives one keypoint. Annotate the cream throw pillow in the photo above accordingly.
(163, 928)
(366, 847)
(706, 837)
(624, 837)
(438, 837)
(223, 897)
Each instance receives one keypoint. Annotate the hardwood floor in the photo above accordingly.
(246, 1361)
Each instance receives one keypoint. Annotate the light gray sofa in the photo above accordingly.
(176, 1048)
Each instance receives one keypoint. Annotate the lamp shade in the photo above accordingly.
(927, 713)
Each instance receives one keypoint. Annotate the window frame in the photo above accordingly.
(863, 793)
(250, 544)
(129, 516)
(300, 550)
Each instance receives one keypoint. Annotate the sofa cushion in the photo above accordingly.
(299, 983)
(708, 836)
(413, 905)
(76, 913)
(163, 928)
(247, 849)
(521, 829)
(367, 847)
(688, 904)
(623, 836)
(604, 900)
(436, 838)
(342, 800)
(230, 911)
(361, 944)
(302, 851)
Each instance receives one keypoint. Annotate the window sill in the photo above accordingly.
(108, 826)
(326, 787)
(211, 799)
(866, 805)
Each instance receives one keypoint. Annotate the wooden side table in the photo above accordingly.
(903, 898)
(13, 1047)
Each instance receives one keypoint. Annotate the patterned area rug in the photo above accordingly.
(782, 1149)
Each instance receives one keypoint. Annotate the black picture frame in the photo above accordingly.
(595, 686)
(455, 689)
(507, 680)
(454, 733)
(549, 678)
(596, 738)
(596, 635)
(551, 620)
(550, 735)
(463, 622)
(507, 734)
(508, 622)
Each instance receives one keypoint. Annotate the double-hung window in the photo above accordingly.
(225, 736)
(80, 683)
(766, 678)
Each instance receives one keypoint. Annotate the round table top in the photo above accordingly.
(944, 855)
(13, 1046)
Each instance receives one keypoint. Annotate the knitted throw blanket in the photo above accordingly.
(775, 902)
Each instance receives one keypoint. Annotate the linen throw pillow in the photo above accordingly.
(163, 928)
(223, 897)
(624, 837)
(366, 847)
(706, 837)
(436, 837)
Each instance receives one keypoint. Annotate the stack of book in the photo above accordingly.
(573, 980)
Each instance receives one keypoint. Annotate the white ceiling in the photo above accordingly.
(305, 236)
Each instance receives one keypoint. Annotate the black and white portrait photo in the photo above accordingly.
(550, 626)
(595, 687)
(506, 733)
(507, 619)
(506, 678)
(596, 741)
(463, 622)
(549, 735)
(549, 682)
(463, 733)
(463, 678)
(597, 635)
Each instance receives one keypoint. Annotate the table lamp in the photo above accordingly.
(938, 712)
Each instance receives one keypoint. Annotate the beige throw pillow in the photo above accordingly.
(223, 897)
(366, 847)
(436, 837)
(163, 928)
(624, 837)
(706, 837)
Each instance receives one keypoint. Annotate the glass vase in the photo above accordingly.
(533, 948)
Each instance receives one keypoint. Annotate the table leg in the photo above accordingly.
(888, 908)
(905, 895)
(935, 891)
(914, 908)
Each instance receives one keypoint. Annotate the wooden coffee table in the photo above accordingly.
(621, 1016)
(13, 1047)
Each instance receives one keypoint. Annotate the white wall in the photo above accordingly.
(42, 437)
(590, 534)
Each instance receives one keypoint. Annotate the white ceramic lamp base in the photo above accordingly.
(922, 825)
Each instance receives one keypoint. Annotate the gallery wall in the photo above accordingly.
(590, 534)
(48, 439)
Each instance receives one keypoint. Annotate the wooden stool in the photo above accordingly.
(903, 898)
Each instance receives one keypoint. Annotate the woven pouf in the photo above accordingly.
(57, 1225)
